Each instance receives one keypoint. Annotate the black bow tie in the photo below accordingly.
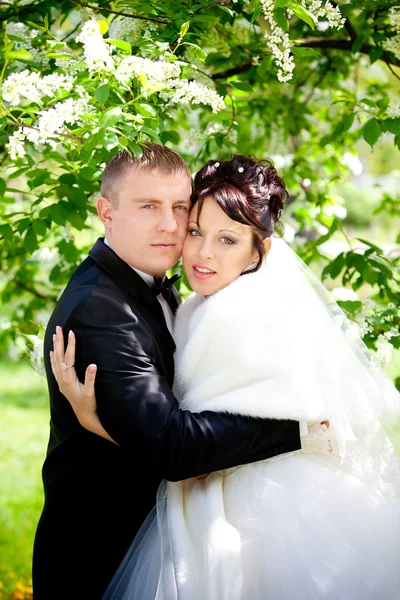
(164, 286)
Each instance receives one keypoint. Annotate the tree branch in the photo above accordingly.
(348, 26)
(115, 12)
(314, 42)
(33, 291)
(335, 44)
(390, 69)
(68, 135)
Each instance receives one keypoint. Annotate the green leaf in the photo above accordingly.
(90, 174)
(23, 224)
(368, 102)
(30, 241)
(357, 44)
(244, 86)
(35, 26)
(146, 110)
(375, 54)
(7, 232)
(170, 136)
(39, 227)
(68, 178)
(280, 18)
(21, 54)
(103, 26)
(58, 214)
(184, 29)
(3, 187)
(372, 131)
(305, 52)
(125, 46)
(392, 125)
(199, 51)
(351, 306)
(302, 13)
(336, 265)
(111, 116)
(76, 197)
(77, 220)
(371, 245)
(102, 93)
(383, 103)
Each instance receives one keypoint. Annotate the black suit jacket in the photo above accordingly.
(98, 494)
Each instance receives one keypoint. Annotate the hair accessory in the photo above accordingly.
(240, 169)
(216, 165)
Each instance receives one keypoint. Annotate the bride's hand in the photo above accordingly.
(81, 396)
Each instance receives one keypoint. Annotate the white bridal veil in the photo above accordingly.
(362, 402)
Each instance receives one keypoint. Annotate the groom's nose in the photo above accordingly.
(167, 221)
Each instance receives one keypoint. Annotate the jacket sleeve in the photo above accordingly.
(137, 408)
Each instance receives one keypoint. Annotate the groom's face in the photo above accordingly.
(147, 223)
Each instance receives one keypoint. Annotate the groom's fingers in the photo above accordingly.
(90, 377)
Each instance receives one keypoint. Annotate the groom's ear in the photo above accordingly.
(104, 210)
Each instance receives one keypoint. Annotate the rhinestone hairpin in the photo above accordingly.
(240, 169)
(216, 165)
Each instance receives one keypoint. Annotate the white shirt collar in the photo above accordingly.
(149, 279)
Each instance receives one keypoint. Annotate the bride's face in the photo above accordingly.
(216, 250)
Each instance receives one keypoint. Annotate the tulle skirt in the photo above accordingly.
(291, 528)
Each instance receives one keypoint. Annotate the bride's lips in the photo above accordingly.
(202, 272)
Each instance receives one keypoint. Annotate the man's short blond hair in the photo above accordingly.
(154, 156)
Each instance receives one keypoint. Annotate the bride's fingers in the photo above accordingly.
(90, 377)
(58, 343)
(70, 351)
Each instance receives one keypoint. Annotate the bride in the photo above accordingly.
(261, 336)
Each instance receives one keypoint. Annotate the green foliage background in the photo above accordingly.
(341, 109)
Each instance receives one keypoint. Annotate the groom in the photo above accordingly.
(97, 494)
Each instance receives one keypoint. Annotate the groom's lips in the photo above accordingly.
(163, 245)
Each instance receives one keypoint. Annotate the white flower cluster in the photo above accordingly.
(95, 49)
(33, 87)
(278, 40)
(327, 11)
(393, 111)
(50, 124)
(37, 356)
(393, 44)
(196, 93)
(156, 71)
(124, 28)
(26, 36)
(383, 350)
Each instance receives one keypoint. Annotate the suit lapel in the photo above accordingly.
(133, 284)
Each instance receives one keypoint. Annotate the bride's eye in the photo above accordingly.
(194, 232)
(226, 240)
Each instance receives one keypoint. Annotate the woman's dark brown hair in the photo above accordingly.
(248, 191)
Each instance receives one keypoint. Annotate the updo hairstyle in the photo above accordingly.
(248, 191)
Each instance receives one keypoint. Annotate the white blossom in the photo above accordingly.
(95, 49)
(125, 28)
(353, 163)
(32, 86)
(344, 294)
(155, 71)
(383, 351)
(278, 40)
(15, 145)
(394, 111)
(196, 93)
(45, 254)
(37, 357)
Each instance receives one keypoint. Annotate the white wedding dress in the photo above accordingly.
(320, 523)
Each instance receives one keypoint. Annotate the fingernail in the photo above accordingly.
(92, 368)
(54, 337)
(69, 334)
(58, 329)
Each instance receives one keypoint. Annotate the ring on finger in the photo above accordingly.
(64, 366)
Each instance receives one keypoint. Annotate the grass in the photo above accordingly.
(24, 433)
